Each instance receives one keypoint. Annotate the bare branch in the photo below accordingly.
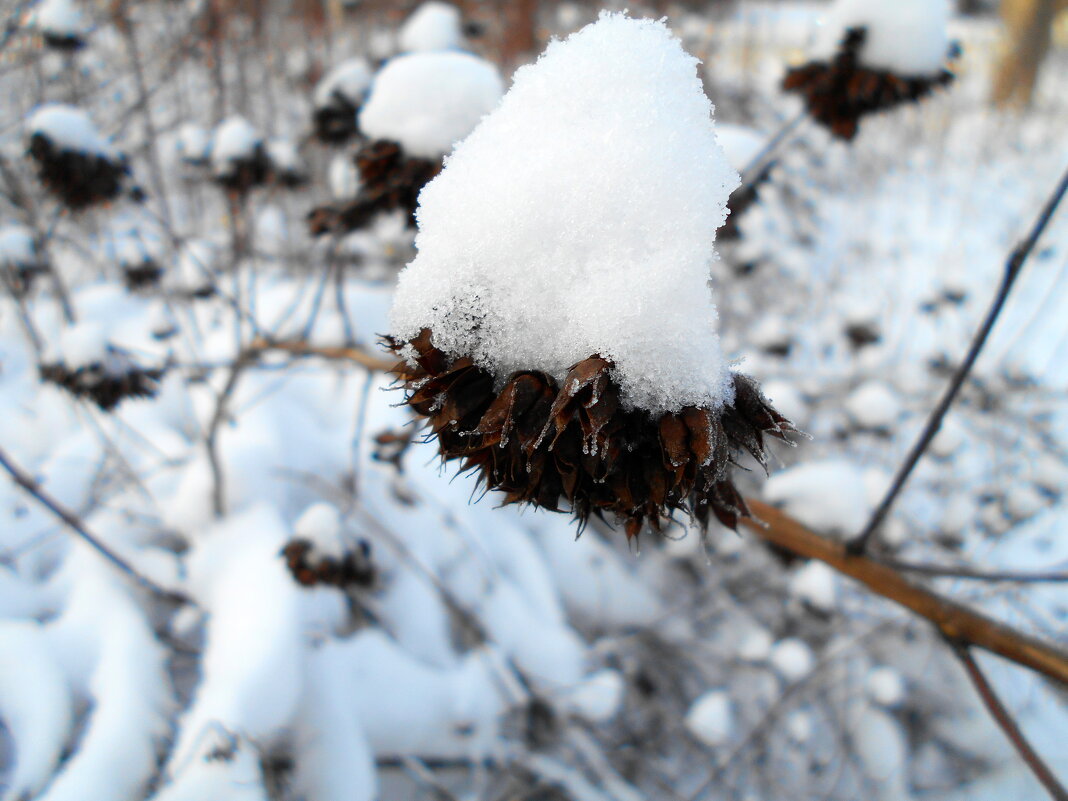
(955, 621)
(26, 481)
(1008, 725)
(971, 574)
(354, 353)
(1013, 268)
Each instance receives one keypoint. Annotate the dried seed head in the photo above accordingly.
(573, 446)
(389, 180)
(106, 383)
(840, 92)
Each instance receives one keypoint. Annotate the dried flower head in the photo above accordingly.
(556, 328)
(572, 445)
(73, 161)
(107, 382)
(389, 180)
(840, 92)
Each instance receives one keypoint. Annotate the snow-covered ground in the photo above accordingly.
(485, 649)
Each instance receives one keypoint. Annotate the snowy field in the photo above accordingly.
(269, 587)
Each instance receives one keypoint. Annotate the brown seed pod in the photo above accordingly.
(574, 445)
(389, 180)
(839, 93)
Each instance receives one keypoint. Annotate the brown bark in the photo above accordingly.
(954, 620)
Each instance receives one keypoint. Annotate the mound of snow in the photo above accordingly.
(828, 495)
(579, 218)
(349, 80)
(429, 101)
(68, 128)
(432, 26)
(908, 37)
(711, 719)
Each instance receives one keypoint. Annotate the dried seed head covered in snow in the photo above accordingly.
(557, 323)
(579, 218)
(425, 102)
(872, 56)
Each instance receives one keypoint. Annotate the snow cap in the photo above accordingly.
(350, 79)
(579, 218)
(428, 101)
(68, 128)
(432, 26)
(234, 139)
(907, 37)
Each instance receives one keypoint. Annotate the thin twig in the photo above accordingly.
(971, 574)
(27, 482)
(953, 620)
(1013, 268)
(1005, 721)
(354, 353)
(211, 441)
(757, 163)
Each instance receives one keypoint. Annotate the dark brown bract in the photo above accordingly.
(574, 446)
(838, 94)
(389, 180)
(79, 179)
(242, 175)
(336, 122)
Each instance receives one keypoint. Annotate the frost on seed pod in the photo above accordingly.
(873, 56)
(557, 328)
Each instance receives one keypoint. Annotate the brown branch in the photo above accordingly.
(27, 482)
(355, 354)
(1005, 721)
(955, 621)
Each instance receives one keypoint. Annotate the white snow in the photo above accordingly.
(950, 437)
(35, 705)
(234, 140)
(826, 495)
(193, 143)
(429, 101)
(284, 156)
(432, 26)
(68, 128)
(815, 583)
(598, 698)
(908, 37)
(793, 658)
(755, 645)
(740, 143)
(17, 248)
(711, 718)
(579, 219)
(886, 686)
(874, 405)
(343, 177)
(350, 80)
(60, 18)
